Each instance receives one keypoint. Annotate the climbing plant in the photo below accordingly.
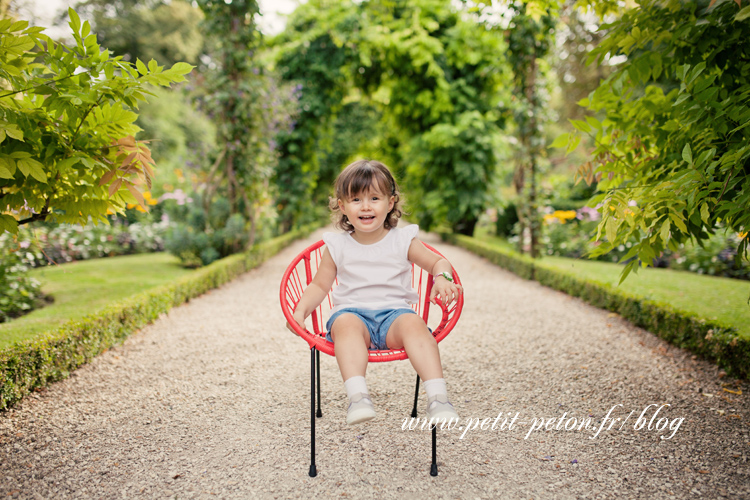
(311, 57)
(435, 78)
(248, 106)
(529, 39)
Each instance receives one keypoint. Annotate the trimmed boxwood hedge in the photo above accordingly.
(52, 356)
(711, 339)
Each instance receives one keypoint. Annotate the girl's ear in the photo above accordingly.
(391, 203)
(341, 206)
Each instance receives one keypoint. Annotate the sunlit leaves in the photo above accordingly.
(677, 139)
(66, 118)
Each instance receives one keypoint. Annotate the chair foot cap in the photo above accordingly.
(313, 471)
(433, 470)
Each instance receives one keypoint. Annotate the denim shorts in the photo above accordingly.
(377, 321)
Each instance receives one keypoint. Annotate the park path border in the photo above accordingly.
(51, 356)
(710, 339)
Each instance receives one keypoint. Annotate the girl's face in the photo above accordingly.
(367, 210)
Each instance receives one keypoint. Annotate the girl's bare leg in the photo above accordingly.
(410, 333)
(352, 340)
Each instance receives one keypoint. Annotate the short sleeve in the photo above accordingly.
(333, 243)
(407, 234)
(410, 232)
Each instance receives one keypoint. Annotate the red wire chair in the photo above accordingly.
(300, 273)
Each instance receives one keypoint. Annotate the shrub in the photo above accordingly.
(715, 257)
(200, 238)
(507, 217)
(19, 294)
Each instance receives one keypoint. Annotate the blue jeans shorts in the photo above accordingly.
(377, 321)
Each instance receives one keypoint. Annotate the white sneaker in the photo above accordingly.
(360, 409)
(439, 409)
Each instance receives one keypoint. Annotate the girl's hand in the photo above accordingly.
(300, 319)
(447, 290)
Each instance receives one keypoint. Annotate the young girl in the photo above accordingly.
(372, 261)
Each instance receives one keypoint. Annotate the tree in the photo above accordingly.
(67, 146)
(147, 29)
(673, 148)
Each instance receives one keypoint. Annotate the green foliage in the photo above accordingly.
(54, 355)
(571, 239)
(714, 256)
(507, 217)
(433, 76)
(193, 244)
(67, 151)
(314, 62)
(439, 81)
(529, 38)
(19, 293)
(58, 244)
(182, 137)
(673, 149)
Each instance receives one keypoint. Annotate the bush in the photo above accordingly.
(19, 294)
(568, 234)
(200, 238)
(507, 217)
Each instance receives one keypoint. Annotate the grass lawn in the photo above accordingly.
(709, 297)
(81, 288)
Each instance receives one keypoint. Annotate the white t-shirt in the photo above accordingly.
(376, 276)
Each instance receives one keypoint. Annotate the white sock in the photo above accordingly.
(435, 387)
(355, 385)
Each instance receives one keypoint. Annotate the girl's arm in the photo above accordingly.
(316, 290)
(435, 264)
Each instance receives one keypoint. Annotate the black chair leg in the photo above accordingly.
(317, 361)
(416, 398)
(433, 469)
(313, 470)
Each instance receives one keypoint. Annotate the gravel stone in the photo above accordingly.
(212, 400)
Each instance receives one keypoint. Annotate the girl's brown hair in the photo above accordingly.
(358, 177)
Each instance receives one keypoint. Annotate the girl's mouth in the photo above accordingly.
(367, 217)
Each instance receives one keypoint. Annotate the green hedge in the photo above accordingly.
(710, 339)
(52, 356)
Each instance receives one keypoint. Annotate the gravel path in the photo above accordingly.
(211, 401)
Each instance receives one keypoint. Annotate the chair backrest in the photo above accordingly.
(300, 273)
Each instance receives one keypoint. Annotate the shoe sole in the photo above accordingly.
(357, 417)
(444, 416)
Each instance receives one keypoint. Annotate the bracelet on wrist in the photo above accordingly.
(446, 275)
